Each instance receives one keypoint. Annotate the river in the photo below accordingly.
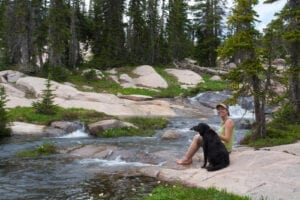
(61, 177)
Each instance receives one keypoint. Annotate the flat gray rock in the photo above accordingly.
(272, 173)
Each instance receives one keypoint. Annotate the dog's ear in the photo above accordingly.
(193, 128)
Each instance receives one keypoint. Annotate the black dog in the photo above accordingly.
(214, 150)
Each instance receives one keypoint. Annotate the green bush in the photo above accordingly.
(283, 129)
(146, 128)
(59, 73)
(46, 105)
(28, 114)
(4, 130)
(47, 148)
(90, 76)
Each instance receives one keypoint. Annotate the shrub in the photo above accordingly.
(4, 131)
(46, 105)
(47, 148)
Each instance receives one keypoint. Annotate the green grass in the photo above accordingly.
(176, 192)
(107, 85)
(45, 149)
(145, 127)
(277, 134)
(28, 114)
(283, 129)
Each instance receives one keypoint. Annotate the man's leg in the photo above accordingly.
(193, 148)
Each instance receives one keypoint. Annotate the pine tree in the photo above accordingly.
(108, 38)
(58, 33)
(4, 130)
(208, 15)
(137, 32)
(152, 20)
(177, 29)
(46, 104)
(290, 16)
(248, 77)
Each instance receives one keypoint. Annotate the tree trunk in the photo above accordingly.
(74, 44)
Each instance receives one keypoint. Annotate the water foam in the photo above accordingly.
(76, 134)
(114, 163)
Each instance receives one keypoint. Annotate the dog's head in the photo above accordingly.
(201, 128)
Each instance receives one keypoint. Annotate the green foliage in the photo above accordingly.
(46, 105)
(208, 30)
(283, 129)
(178, 192)
(174, 89)
(145, 127)
(47, 148)
(28, 114)
(4, 131)
(90, 76)
(154, 123)
(179, 43)
(123, 132)
(58, 73)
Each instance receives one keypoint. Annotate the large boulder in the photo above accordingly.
(149, 78)
(186, 77)
(10, 76)
(272, 173)
(22, 128)
(98, 127)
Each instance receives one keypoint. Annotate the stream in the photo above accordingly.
(61, 177)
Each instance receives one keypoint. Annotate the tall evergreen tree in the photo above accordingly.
(177, 26)
(247, 78)
(4, 130)
(58, 33)
(153, 30)
(109, 35)
(137, 33)
(21, 29)
(208, 15)
(290, 16)
(96, 13)
(74, 45)
(46, 104)
(3, 49)
(162, 54)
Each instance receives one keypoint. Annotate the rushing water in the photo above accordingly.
(60, 177)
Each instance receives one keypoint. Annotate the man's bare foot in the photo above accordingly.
(184, 161)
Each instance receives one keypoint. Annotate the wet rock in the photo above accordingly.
(98, 127)
(90, 151)
(171, 134)
(66, 126)
(211, 99)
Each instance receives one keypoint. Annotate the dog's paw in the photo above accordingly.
(210, 169)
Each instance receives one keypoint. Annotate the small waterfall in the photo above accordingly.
(79, 133)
